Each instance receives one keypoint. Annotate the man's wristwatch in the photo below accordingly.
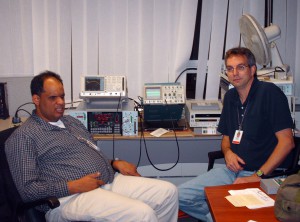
(260, 173)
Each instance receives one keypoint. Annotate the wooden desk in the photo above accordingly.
(222, 210)
(160, 150)
(7, 123)
(171, 134)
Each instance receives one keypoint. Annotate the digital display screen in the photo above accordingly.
(153, 93)
(94, 83)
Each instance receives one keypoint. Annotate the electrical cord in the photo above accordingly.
(142, 138)
(25, 111)
(276, 69)
(113, 126)
(16, 119)
(183, 72)
(138, 106)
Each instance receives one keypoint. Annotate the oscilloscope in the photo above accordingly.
(95, 86)
(163, 105)
(164, 93)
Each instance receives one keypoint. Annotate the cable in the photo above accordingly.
(146, 149)
(25, 111)
(137, 105)
(113, 126)
(16, 119)
(183, 72)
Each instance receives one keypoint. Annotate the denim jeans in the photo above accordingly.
(192, 198)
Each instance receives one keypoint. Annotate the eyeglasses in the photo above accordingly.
(240, 68)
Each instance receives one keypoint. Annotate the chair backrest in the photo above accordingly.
(12, 207)
(296, 154)
(293, 166)
(10, 198)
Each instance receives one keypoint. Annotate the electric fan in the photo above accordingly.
(261, 41)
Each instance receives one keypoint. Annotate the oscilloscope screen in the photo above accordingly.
(153, 93)
(94, 84)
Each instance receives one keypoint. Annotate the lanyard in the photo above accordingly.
(240, 122)
(87, 142)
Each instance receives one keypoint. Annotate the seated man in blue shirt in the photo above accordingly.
(256, 125)
(54, 155)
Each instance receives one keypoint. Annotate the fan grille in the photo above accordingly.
(255, 39)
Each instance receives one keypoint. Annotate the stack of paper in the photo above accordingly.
(251, 198)
(159, 132)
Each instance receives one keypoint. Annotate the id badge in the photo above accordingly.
(237, 137)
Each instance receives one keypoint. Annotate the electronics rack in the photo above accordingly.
(102, 118)
(4, 114)
(105, 122)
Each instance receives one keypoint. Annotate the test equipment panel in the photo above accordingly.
(164, 93)
(163, 105)
(203, 113)
(101, 119)
(105, 122)
(95, 86)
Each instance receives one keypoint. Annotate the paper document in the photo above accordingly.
(252, 198)
(159, 132)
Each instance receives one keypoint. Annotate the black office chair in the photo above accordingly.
(292, 169)
(12, 208)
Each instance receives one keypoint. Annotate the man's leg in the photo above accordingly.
(101, 205)
(160, 195)
(192, 198)
(126, 199)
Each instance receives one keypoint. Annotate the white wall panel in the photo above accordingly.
(40, 35)
(79, 43)
(6, 54)
(16, 38)
(134, 67)
(216, 49)
(204, 41)
(183, 36)
(146, 40)
(233, 29)
(52, 39)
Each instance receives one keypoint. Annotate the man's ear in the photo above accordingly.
(253, 69)
(36, 99)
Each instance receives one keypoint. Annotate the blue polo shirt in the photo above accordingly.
(265, 112)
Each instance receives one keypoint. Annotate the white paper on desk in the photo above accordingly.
(159, 132)
(252, 198)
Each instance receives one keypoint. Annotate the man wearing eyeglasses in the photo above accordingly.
(53, 154)
(256, 125)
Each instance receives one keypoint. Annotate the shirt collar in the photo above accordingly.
(252, 92)
(45, 124)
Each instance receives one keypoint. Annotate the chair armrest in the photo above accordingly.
(212, 156)
(52, 202)
(279, 173)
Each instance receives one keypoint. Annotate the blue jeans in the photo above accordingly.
(192, 198)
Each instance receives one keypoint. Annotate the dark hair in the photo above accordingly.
(37, 83)
(242, 51)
